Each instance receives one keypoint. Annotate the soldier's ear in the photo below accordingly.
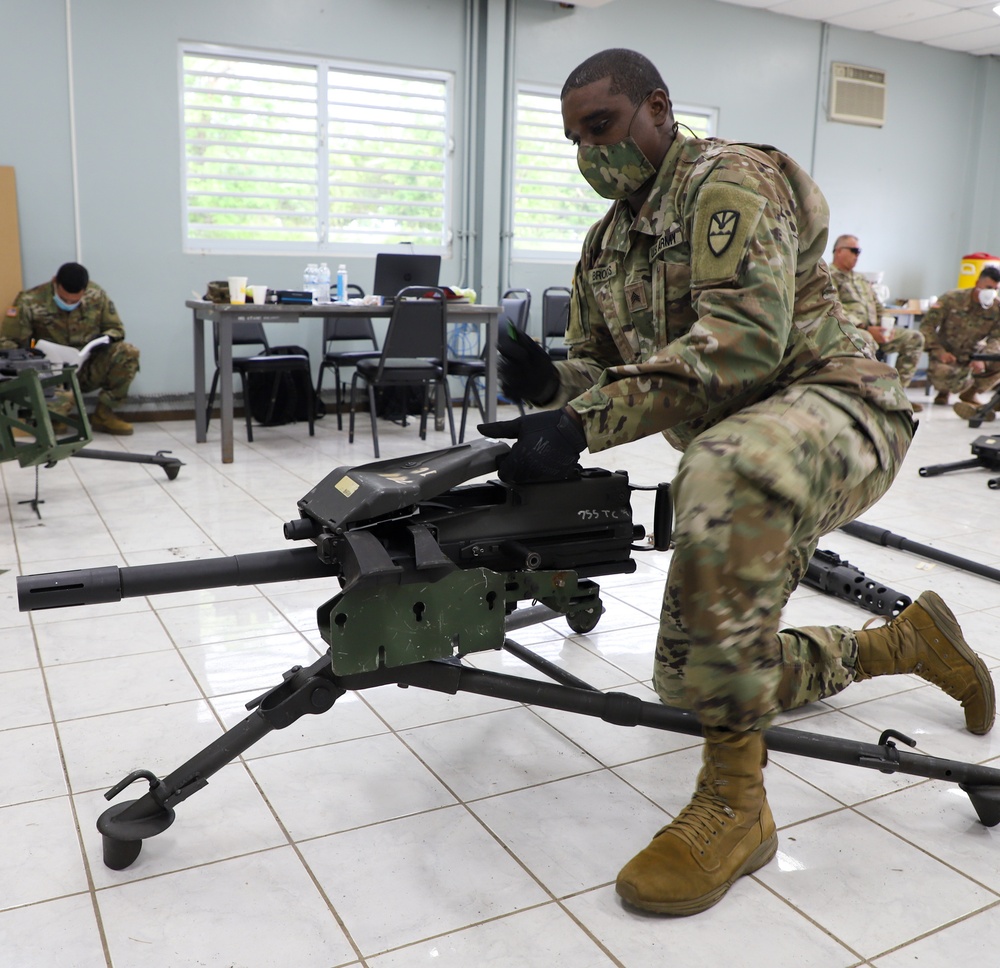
(660, 107)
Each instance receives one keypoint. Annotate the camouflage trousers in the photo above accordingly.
(908, 344)
(110, 369)
(958, 377)
(752, 497)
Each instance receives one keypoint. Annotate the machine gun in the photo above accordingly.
(430, 569)
(985, 453)
(36, 431)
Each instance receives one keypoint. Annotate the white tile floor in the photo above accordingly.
(407, 828)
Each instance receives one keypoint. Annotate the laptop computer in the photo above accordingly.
(395, 271)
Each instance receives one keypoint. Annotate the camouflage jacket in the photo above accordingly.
(861, 305)
(713, 297)
(35, 315)
(957, 324)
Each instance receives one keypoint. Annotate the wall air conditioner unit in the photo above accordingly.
(857, 95)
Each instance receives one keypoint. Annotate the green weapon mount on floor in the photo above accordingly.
(43, 419)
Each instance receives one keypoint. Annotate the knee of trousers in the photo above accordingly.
(125, 357)
(949, 377)
(729, 530)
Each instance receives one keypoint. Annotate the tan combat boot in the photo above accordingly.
(968, 406)
(926, 639)
(968, 411)
(726, 831)
(106, 419)
(942, 399)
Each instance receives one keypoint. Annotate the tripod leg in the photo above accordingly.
(36, 500)
(125, 825)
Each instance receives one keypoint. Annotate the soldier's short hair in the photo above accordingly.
(991, 272)
(841, 239)
(73, 277)
(631, 73)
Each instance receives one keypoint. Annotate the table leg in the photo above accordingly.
(226, 386)
(492, 333)
(200, 424)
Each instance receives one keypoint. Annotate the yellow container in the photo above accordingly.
(972, 266)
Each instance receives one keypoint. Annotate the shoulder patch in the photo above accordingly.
(724, 221)
(12, 310)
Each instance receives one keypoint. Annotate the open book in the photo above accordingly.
(68, 355)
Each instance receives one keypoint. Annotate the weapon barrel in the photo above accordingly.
(93, 586)
(876, 535)
(830, 574)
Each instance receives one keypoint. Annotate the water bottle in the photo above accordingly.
(309, 279)
(323, 283)
(341, 283)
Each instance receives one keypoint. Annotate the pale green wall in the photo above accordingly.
(920, 191)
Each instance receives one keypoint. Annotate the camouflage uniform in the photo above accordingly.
(110, 369)
(862, 308)
(711, 318)
(957, 324)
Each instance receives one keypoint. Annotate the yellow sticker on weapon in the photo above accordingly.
(346, 486)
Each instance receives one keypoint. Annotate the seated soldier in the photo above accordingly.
(863, 309)
(960, 324)
(72, 310)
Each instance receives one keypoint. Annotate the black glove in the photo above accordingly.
(524, 368)
(547, 448)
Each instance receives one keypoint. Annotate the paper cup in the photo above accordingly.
(238, 289)
(259, 294)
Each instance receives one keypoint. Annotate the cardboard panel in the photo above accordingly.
(11, 280)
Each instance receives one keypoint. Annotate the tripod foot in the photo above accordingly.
(986, 802)
(119, 854)
(124, 826)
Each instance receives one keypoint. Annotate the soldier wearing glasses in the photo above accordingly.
(862, 307)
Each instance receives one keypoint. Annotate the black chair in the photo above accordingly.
(555, 317)
(515, 306)
(252, 334)
(415, 352)
(344, 329)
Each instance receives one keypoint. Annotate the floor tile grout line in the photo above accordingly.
(71, 803)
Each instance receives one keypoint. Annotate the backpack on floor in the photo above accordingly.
(281, 398)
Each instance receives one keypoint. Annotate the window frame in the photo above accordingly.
(320, 245)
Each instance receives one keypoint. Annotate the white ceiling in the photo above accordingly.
(966, 25)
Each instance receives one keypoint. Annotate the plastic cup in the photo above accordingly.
(238, 290)
(259, 294)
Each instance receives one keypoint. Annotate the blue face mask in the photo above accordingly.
(65, 306)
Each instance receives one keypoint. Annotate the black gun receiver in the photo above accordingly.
(443, 566)
(431, 568)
